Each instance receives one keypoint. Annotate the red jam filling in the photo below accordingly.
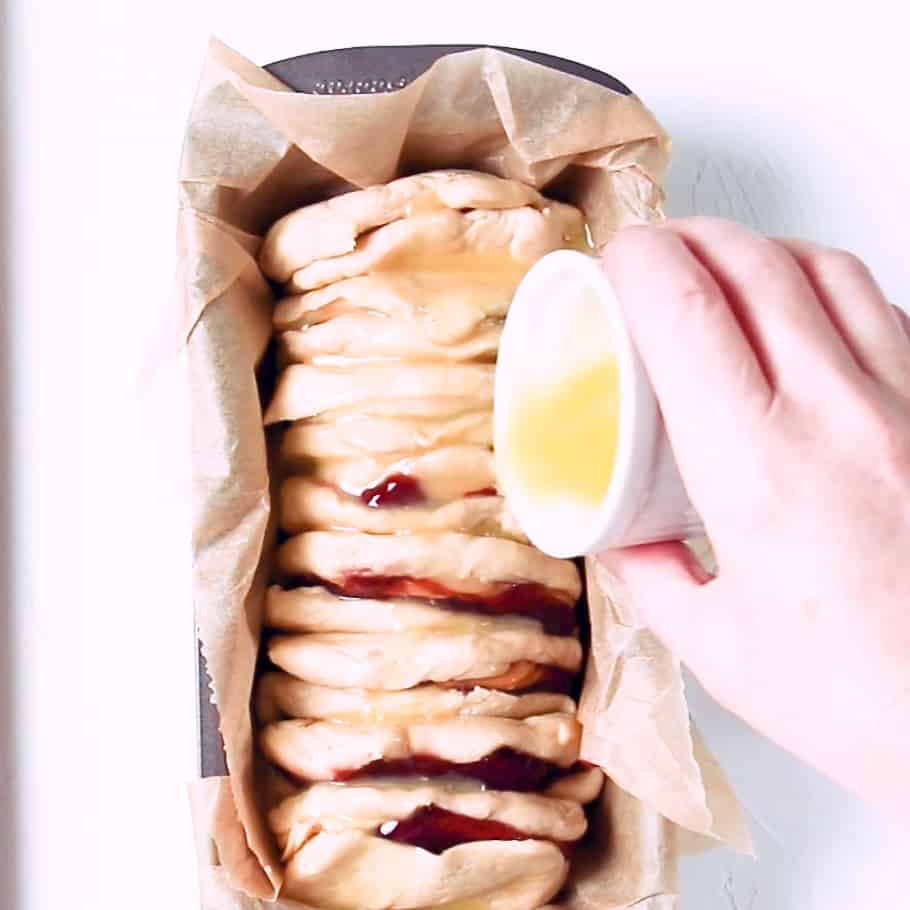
(545, 679)
(503, 769)
(551, 679)
(486, 491)
(396, 490)
(400, 490)
(435, 829)
(534, 601)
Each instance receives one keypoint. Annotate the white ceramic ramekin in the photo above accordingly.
(646, 500)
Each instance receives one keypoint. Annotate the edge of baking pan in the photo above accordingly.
(367, 70)
(360, 70)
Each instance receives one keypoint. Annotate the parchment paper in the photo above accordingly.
(255, 150)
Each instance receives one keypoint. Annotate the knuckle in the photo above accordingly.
(839, 265)
(886, 431)
(631, 233)
(694, 222)
(704, 225)
(894, 447)
(697, 292)
(631, 244)
(761, 263)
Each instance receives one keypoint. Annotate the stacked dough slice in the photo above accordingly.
(422, 651)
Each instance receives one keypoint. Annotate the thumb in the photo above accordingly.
(665, 582)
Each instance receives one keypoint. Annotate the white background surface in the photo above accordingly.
(789, 116)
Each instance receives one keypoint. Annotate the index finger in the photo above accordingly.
(705, 374)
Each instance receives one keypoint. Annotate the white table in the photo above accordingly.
(786, 116)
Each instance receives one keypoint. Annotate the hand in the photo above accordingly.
(783, 375)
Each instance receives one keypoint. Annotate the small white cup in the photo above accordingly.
(646, 500)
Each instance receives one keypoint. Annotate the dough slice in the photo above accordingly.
(280, 696)
(369, 336)
(522, 675)
(458, 562)
(419, 407)
(365, 807)
(582, 787)
(401, 660)
(339, 870)
(307, 505)
(332, 227)
(493, 245)
(443, 474)
(363, 434)
(316, 609)
(445, 306)
(322, 750)
(307, 391)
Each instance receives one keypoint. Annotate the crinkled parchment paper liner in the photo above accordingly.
(255, 150)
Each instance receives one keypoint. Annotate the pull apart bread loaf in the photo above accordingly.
(422, 654)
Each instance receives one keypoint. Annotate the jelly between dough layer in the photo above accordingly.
(556, 614)
(503, 769)
(436, 830)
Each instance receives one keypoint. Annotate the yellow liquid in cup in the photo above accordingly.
(563, 439)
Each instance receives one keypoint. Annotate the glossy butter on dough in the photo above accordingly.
(443, 474)
(281, 696)
(307, 505)
(320, 750)
(461, 562)
(305, 390)
(373, 436)
(396, 297)
(366, 806)
(331, 228)
(316, 609)
(373, 337)
(401, 660)
(491, 245)
(338, 870)
(445, 307)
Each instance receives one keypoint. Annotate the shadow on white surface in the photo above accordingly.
(746, 183)
(9, 881)
(817, 847)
